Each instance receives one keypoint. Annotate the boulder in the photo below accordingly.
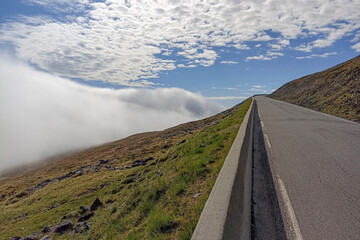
(86, 217)
(20, 195)
(137, 163)
(82, 227)
(125, 167)
(181, 142)
(149, 159)
(63, 227)
(52, 206)
(96, 204)
(197, 195)
(32, 237)
(103, 161)
(16, 238)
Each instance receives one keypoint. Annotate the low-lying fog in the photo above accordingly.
(42, 115)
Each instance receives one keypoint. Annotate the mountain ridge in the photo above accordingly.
(334, 91)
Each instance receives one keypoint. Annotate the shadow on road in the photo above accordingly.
(266, 220)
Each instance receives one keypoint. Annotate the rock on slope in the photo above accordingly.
(335, 91)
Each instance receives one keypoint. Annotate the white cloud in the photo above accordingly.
(268, 56)
(325, 55)
(259, 57)
(42, 115)
(60, 6)
(356, 37)
(338, 31)
(228, 62)
(239, 46)
(205, 57)
(123, 41)
(186, 66)
(225, 88)
(258, 86)
(274, 54)
(226, 98)
(356, 47)
(276, 47)
(258, 89)
(284, 42)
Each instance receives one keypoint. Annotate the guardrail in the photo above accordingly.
(227, 212)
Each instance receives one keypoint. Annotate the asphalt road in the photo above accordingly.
(315, 163)
(266, 218)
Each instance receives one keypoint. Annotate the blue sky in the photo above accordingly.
(224, 50)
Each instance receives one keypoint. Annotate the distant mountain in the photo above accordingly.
(335, 91)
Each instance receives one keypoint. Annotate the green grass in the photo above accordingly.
(158, 202)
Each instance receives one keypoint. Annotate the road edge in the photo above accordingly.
(227, 212)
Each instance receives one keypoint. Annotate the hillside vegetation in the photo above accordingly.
(334, 91)
(147, 186)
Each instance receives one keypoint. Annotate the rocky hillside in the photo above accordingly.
(147, 186)
(334, 91)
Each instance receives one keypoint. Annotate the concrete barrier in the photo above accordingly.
(227, 212)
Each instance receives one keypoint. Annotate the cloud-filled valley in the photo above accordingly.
(42, 115)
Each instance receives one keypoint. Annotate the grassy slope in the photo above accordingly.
(155, 201)
(334, 91)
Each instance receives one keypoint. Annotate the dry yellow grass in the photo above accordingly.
(335, 91)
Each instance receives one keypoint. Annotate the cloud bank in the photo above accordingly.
(325, 55)
(130, 42)
(227, 98)
(42, 115)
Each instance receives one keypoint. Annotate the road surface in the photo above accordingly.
(315, 164)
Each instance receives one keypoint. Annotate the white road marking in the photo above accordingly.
(262, 124)
(295, 229)
(267, 140)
